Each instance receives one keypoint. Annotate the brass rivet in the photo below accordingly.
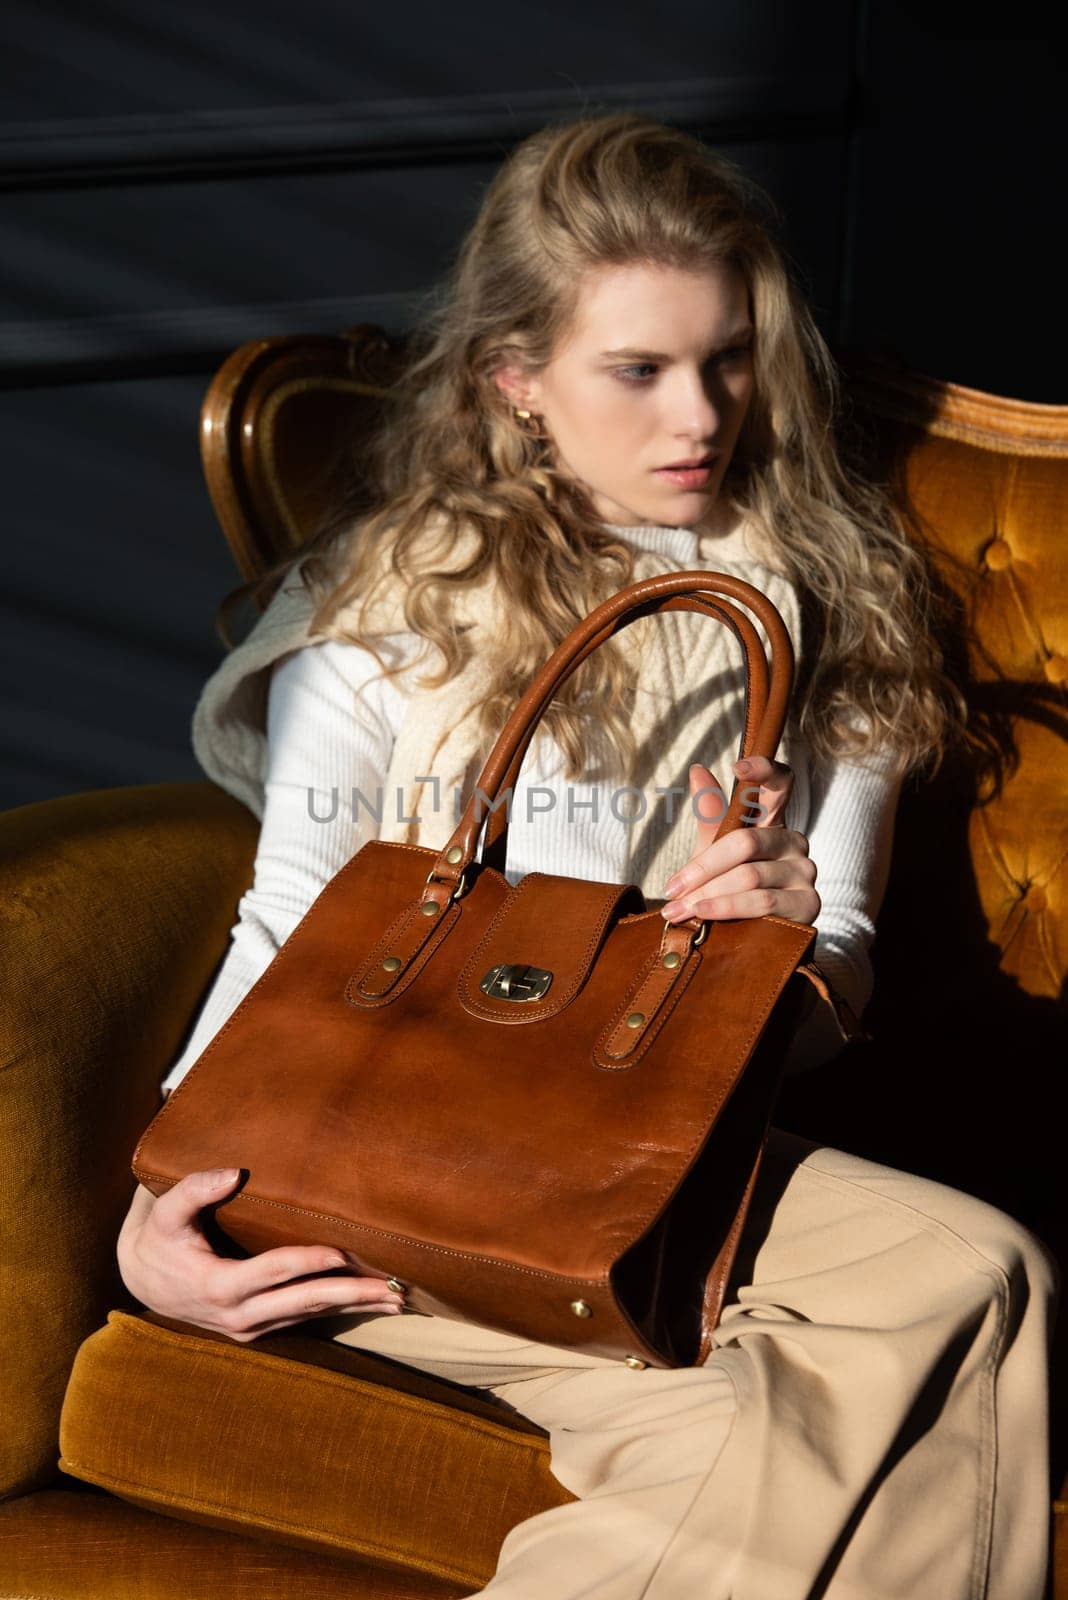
(396, 1285)
(672, 958)
(581, 1308)
(430, 908)
(454, 854)
(635, 1362)
(635, 1019)
(391, 963)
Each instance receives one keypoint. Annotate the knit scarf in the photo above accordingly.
(689, 701)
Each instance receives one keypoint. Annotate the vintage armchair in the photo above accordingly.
(145, 1459)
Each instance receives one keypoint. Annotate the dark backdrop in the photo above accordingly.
(182, 177)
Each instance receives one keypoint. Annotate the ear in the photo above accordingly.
(516, 385)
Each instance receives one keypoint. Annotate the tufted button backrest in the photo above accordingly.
(968, 1013)
(984, 482)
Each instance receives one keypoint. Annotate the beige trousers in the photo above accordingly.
(871, 1423)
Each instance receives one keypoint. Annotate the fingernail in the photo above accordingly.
(743, 766)
(671, 887)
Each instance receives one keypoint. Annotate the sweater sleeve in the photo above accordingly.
(331, 725)
(850, 837)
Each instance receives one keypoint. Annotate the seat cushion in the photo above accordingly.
(304, 1441)
(79, 1543)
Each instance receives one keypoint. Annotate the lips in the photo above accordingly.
(691, 476)
(696, 461)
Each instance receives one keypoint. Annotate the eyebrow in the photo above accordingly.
(659, 355)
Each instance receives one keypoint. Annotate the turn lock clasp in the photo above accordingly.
(516, 981)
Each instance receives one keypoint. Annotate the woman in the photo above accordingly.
(871, 1420)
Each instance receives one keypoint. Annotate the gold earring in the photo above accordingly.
(524, 417)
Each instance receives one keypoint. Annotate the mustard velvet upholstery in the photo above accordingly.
(306, 1442)
(972, 941)
(1004, 517)
(116, 910)
(63, 1544)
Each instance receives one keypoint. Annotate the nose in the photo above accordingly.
(698, 406)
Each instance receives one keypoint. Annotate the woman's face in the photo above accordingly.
(656, 370)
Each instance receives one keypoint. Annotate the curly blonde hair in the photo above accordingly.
(447, 454)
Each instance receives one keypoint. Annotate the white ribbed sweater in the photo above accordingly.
(306, 732)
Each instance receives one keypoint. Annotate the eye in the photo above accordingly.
(629, 374)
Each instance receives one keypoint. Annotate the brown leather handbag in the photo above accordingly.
(540, 1107)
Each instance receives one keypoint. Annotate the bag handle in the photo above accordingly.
(767, 699)
(495, 848)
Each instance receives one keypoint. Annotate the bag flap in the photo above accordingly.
(537, 952)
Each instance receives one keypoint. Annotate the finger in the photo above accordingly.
(289, 1322)
(708, 803)
(282, 1265)
(317, 1298)
(772, 782)
(743, 845)
(800, 905)
(176, 1210)
(774, 873)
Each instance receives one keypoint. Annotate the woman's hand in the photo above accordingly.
(168, 1264)
(751, 871)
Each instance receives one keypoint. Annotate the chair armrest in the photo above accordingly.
(115, 910)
